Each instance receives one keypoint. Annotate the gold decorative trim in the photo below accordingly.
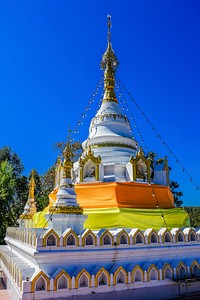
(48, 233)
(137, 268)
(192, 266)
(65, 237)
(79, 275)
(119, 237)
(181, 264)
(150, 234)
(114, 116)
(147, 162)
(66, 210)
(25, 217)
(86, 233)
(33, 288)
(164, 233)
(106, 232)
(96, 279)
(110, 100)
(134, 236)
(112, 144)
(176, 236)
(117, 272)
(149, 271)
(165, 267)
(94, 159)
(58, 277)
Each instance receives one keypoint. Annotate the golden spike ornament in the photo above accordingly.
(109, 64)
(31, 186)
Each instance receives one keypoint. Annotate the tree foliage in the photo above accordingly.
(7, 192)
(13, 189)
(194, 214)
(44, 184)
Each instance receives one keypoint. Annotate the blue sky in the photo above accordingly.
(49, 68)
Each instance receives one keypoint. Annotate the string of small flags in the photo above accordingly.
(135, 125)
(160, 137)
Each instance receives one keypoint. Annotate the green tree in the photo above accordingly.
(14, 187)
(44, 185)
(194, 214)
(177, 194)
(7, 193)
(7, 154)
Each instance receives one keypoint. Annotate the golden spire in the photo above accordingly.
(109, 64)
(30, 206)
(31, 186)
(67, 164)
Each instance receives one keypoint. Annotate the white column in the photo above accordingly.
(129, 277)
(160, 273)
(111, 279)
(73, 282)
(175, 274)
(51, 284)
(92, 281)
(145, 276)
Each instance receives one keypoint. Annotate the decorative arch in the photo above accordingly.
(153, 273)
(181, 270)
(137, 273)
(95, 162)
(43, 276)
(138, 237)
(79, 277)
(67, 236)
(195, 268)
(120, 272)
(192, 237)
(123, 238)
(46, 236)
(98, 277)
(180, 236)
(58, 277)
(152, 236)
(142, 172)
(85, 238)
(167, 237)
(167, 272)
(104, 241)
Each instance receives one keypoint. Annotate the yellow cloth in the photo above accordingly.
(136, 218)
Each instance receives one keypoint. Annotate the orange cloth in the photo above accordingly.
(123, 195)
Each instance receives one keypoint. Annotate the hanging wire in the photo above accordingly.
(49, 219)
(80, 122)
(131, 116)
(160, 137)
(88, 107)
(158, 207)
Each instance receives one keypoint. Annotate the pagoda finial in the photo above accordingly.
(31, 186)
(109, 64)
(109, 27)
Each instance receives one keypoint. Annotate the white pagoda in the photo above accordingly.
(111, 230)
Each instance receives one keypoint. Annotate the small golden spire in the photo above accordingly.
(31, 186)
(109, 64)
